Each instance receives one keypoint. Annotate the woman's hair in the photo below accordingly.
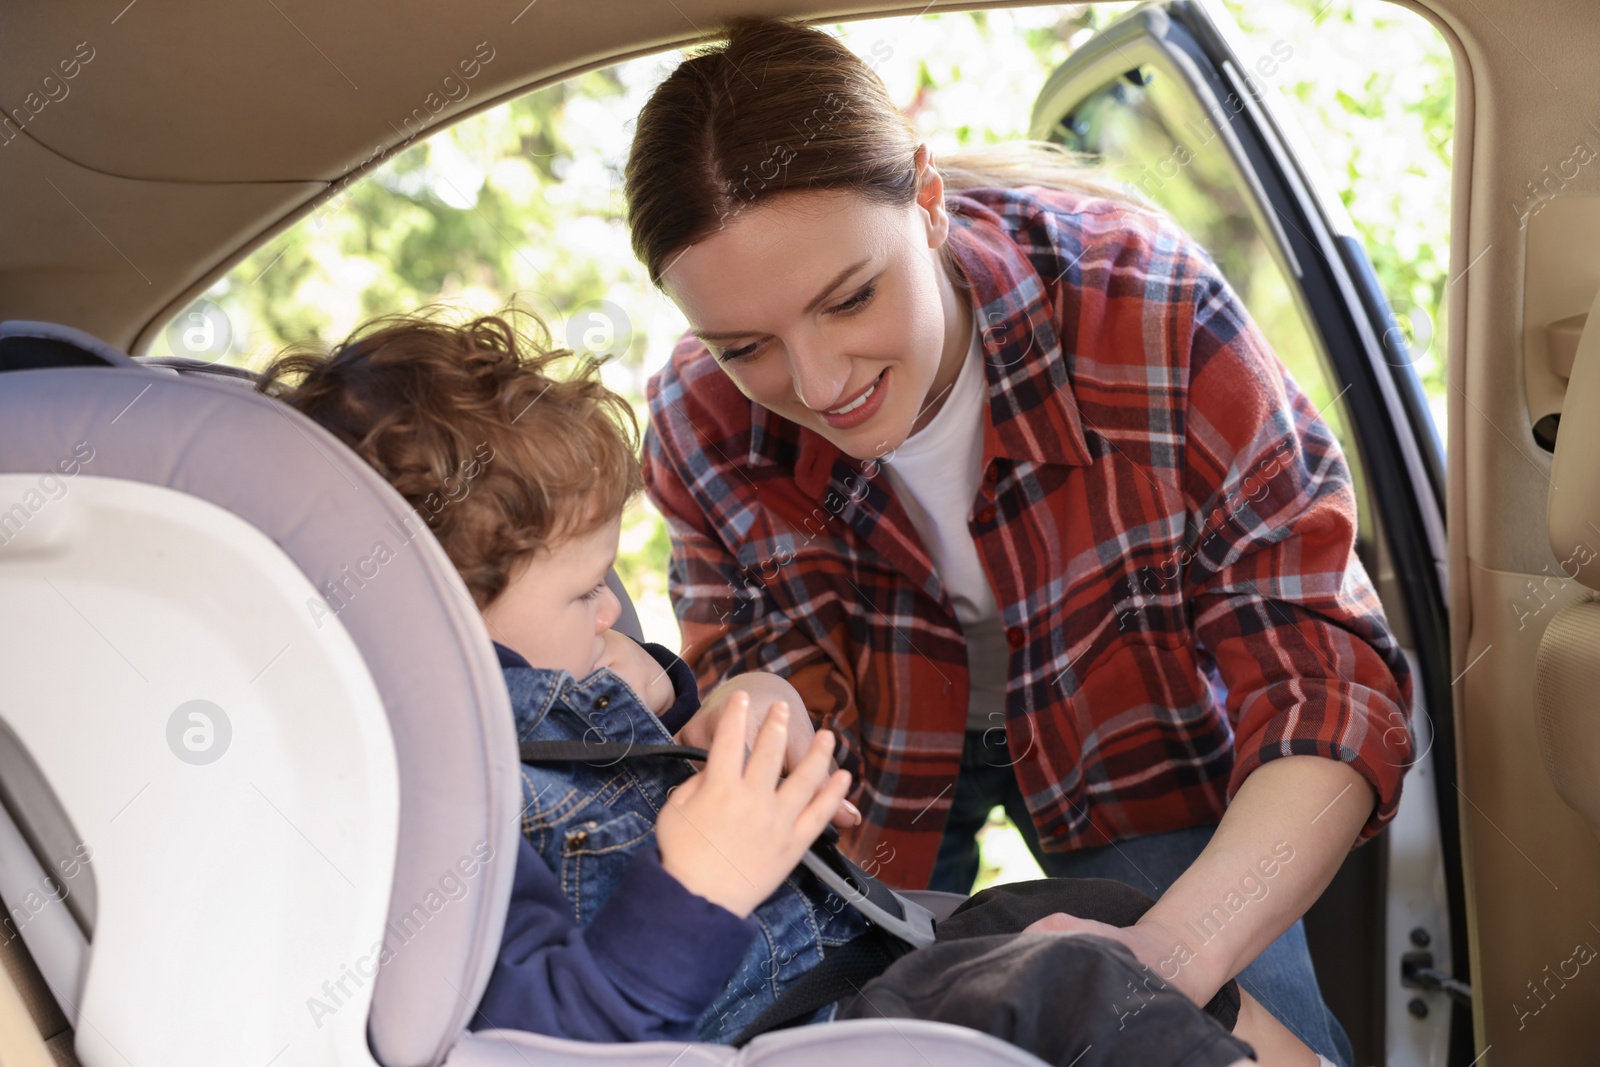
(782, 107)
(499, 455)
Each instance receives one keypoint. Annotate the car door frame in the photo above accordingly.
(1367, 351)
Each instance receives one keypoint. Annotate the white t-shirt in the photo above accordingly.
(935, 475)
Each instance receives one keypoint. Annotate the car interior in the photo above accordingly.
(171, 542)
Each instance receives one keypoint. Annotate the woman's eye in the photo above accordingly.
(860, 300)
(738, 353)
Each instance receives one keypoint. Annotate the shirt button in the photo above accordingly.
(1015, 637)
(986, 515)
(602, 702)
(991, 474)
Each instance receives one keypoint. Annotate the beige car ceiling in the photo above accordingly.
(187, 133)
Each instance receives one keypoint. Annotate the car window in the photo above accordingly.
(1372, 86)
(1157, 143)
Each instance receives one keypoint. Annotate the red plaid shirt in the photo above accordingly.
(1167, 525)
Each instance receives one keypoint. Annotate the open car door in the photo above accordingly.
(1164, 101)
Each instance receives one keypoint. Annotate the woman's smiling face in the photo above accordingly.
(832, 311)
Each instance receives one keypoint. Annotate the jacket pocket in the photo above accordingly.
(595, 854)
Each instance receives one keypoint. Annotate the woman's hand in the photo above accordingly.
(1150, 942)
(639, 669)
(733, 832)
(1152, 945)
(765, 691)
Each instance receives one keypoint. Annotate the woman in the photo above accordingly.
(998, 472)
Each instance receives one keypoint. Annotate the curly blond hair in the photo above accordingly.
(499, 454)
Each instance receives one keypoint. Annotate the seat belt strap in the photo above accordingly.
(601, 753)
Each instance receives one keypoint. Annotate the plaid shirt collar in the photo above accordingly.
(1023, 362)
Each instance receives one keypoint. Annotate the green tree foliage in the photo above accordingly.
(1373, 86)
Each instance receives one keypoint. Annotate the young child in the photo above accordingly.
(652, 902)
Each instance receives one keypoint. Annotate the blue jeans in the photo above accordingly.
(1281, 978)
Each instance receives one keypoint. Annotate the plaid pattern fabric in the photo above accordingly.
(1168, 526)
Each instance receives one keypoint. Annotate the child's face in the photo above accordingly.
(555, 608)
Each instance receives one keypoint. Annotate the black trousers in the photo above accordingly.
(1079, 1001)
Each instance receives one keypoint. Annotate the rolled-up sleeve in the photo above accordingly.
(1280, 602)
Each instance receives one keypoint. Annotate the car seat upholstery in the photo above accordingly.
(332, 887)
(1567, 668)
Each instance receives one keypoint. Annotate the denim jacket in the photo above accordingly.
(601, 944)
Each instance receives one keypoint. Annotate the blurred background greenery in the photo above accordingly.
(523, 204)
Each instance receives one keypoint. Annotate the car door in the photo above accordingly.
(1163, 101)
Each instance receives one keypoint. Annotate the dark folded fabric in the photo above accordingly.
(1006, 909)
(1072, 1001)
(1079, 1001)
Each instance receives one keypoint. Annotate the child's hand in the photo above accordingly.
(639, 669)
(733, 832)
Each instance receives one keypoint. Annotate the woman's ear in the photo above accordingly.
(930, 197)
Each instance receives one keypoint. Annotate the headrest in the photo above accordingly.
(1573, 518)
